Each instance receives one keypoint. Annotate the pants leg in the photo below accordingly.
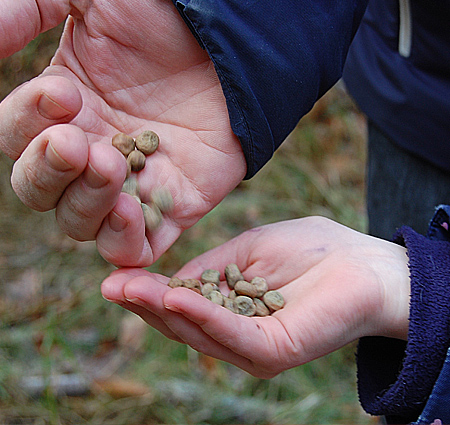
(402, 189)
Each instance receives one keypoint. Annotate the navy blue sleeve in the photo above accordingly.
(273, 59)
(395, 378)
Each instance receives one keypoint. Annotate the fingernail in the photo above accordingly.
(50, 109)
(171, 307)
(93, 179)
(55, 160)
(135, 301)
(116, 222)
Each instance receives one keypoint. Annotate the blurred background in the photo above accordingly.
(68, 356)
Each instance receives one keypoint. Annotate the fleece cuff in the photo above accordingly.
(395, 377)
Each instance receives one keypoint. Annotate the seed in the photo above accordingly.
(162, 198)
(209, 287)
(245, 305)
(233, 274)
(230, 305)
(261, 286)
(175, 282)
(216, 297)
(211, 275)
(242, 287)
(261, 308)
(274, 300)
(193, 284)
(131, 186)
(152, 216)
(147, 142)
(124, 143)
(136, 159)
(232, 295)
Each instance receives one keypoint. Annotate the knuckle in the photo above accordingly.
(33, 187)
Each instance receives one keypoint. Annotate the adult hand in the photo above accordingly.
(339, 285)
(120, 67)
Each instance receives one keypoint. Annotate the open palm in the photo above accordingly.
(339, 285)
(122, 66)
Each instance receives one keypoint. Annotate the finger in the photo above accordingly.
(90, 198)
(144, 293)
(49, 164)
(243, 335)
(121, 239)
(33, 107)
(21, 22)
(113, 290)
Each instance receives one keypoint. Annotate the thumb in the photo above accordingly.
(22, 21)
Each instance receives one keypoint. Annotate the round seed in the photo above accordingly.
(162, 198)
(274, 300)
(152, 216)
(216, 297)
(261, 286)
(230, 305)
(211, 275)
(193, 284)
(131, 186)
(175, 282)
(261, 308)
(233, 274)
(242, 287)
(209, 287)
(136, 159)
(245, 305)
(232, 295)
(147, 142)
(124, 143)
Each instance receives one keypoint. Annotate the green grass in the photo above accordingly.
(54, 320)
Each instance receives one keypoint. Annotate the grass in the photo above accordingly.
(53, 320)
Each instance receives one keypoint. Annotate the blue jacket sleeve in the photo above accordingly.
(396, 378)
(273, 59)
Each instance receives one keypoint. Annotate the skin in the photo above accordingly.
(130, 66)
(339, 285)
(120, 67)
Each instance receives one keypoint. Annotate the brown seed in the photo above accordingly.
(152, 216)
(162, 198)
(230, 305)
(216, 297)
(147, 142)
(136, 159)
(209, 287)
(274, 300)
(193, 284)
(233, 274)
(131, 186)
(232, 295)
(242, 287)
(261, 286)
(124, 143)
(261, 308)
(245, 305)
(175, 282)
(211, 275)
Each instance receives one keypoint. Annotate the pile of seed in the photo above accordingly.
(247, 298)
(135, 151)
